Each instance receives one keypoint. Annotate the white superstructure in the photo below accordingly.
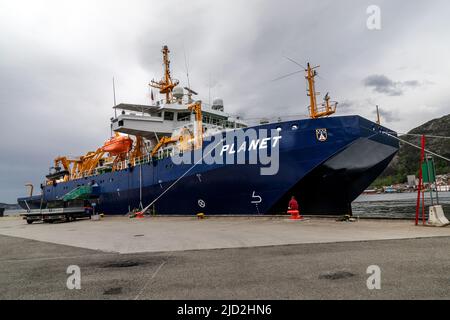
(161, 119)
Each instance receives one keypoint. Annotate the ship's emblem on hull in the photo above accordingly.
(321, 134)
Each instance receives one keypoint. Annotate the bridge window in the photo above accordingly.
(183, 116)
(168, 115)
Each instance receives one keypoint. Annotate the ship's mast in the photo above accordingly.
(166, 84)
(316, 111)
(378, 116)
(310, 74)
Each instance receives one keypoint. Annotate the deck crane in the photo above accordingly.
(78, 167)
(162, 142)
(70, 165)
(90, 161)
(198, 124)
(138, 149)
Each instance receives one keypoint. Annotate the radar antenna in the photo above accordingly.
(190, 93)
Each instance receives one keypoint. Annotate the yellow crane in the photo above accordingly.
(138, 150)
(81, 166)
(198, 125)
(162, 142)
(90, 161)
(71, 165)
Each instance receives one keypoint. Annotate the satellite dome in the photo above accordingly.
(217, 104)
(178, 92)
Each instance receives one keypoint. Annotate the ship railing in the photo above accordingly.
(324, 108)
(142, 159)
(120, 165)
(165, 153)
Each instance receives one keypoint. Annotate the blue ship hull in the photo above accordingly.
(325, 176)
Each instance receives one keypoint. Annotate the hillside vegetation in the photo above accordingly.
(406, 162)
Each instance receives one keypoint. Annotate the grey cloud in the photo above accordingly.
(387, 115)
(411, 83)
(382, 84)
(347, 106)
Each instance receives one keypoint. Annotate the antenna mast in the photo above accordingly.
(316, 111)
(114, 92)
(378, 116)
(114, 95)
(310, 74)
(166, 84)
(187, 67)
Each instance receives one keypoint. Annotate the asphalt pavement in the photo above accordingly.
(409, 269)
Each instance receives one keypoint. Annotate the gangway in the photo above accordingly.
(81, 192)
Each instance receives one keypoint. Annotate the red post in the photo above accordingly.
(419, 190)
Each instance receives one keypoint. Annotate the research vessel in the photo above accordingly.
(325, 160)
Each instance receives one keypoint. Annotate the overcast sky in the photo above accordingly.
(57, 60)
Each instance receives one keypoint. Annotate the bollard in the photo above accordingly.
(140, 214)
(295, 215)
(200, 215)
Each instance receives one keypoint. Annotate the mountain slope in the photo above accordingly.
(407, 160)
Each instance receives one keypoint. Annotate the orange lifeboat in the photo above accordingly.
(117, 145)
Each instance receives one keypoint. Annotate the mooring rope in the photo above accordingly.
(182, 176)
(426, 135)
(418, 147)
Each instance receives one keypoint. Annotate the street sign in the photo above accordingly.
(429, 175)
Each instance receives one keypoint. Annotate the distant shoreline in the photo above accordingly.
(9, 206)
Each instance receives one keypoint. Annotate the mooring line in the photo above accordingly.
(418, 147)
(182, 176)
(151, 278)
(426, 135)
